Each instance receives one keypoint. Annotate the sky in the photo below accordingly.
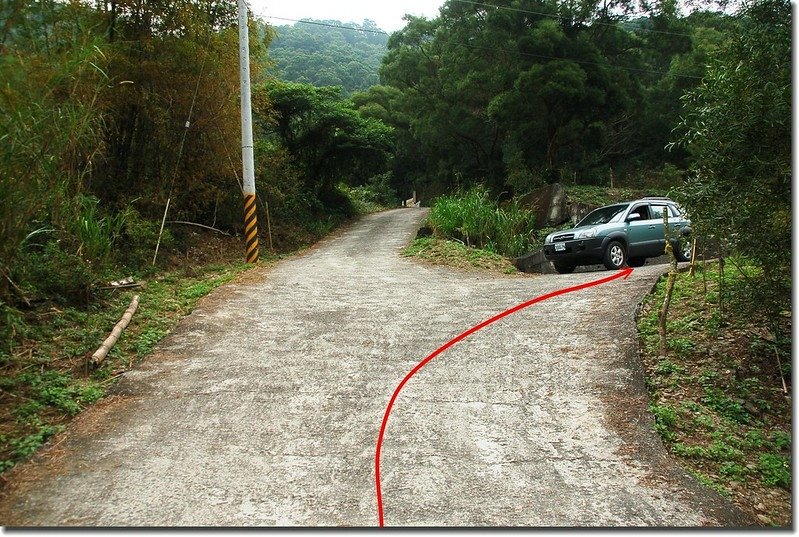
(386, 13)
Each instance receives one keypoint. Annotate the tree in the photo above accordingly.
(737, 127)
(327, 138)
(316, 52)
(170, 58)
(514, 93)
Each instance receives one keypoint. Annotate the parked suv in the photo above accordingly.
(621, 233)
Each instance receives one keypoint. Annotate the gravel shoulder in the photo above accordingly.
(264, 406)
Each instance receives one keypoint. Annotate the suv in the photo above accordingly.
(621, 233)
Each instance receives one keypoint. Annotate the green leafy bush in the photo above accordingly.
(474, 218)
(775, 470)
(737, 126)
(53, 272)
(96, 232)
(59, 390)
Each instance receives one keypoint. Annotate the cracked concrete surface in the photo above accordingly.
(263, 407)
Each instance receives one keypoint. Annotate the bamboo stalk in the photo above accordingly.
(100, 354)
(161, 231)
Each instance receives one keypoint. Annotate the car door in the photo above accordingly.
(641, 232)
(659, 235)
(677, 220)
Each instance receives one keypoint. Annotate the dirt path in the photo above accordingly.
(263, 407)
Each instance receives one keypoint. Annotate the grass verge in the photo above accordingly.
(717, 395)
(458, 255)
(44, 380)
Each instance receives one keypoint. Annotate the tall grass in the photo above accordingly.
(475, 218)
(51, 125)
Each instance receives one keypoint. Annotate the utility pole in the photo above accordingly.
(248, 161)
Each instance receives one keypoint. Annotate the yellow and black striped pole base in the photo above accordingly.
(251, 228)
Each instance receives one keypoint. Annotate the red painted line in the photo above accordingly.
(624, 273)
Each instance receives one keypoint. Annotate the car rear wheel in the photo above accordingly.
(682, 251)
(564, 269)
(615, 256)
(636, 261)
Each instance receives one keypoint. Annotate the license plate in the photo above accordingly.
(560, 247)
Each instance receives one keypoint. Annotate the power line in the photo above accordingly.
(519, 10)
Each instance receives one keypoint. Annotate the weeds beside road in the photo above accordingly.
(458, 255)
(44, 380)
(717, 395)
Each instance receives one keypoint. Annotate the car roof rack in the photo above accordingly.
(665, 198)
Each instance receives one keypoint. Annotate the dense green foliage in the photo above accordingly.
(51, 126)
(111, 110)
(476, 219)
(327, 139)
(93, 135)
(517, 93)
(737, 127)
(317, 53)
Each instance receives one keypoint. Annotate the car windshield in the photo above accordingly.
(603, 215)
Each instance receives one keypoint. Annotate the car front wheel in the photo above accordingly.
(615, 256)
(682, 251)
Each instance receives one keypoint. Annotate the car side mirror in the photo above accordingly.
(633, 216)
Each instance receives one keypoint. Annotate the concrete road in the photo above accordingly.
(263, 407)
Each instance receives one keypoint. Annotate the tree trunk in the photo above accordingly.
(664, 310)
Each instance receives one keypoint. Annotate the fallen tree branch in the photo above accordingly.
(100, 354)
(199, 225)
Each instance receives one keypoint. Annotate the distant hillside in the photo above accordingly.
(326, 56)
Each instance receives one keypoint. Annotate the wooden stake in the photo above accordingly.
(672, 277)
(779, 371)
(100, 354)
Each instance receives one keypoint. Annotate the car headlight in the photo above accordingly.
(587, 234)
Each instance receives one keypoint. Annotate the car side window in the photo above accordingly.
(643, 210)
(657, 211)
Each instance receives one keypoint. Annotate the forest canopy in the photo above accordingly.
(329, 53)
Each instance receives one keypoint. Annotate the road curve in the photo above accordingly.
(263, 407)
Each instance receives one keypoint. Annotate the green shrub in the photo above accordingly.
(665, 420)
(775, 470)
(11, 325)
(95, 232)
(782, 440)
(27, 445)
(52, 272)
(58, 390)
(474, 218)
(138, 238)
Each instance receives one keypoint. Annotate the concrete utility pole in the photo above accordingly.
(250, 207)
